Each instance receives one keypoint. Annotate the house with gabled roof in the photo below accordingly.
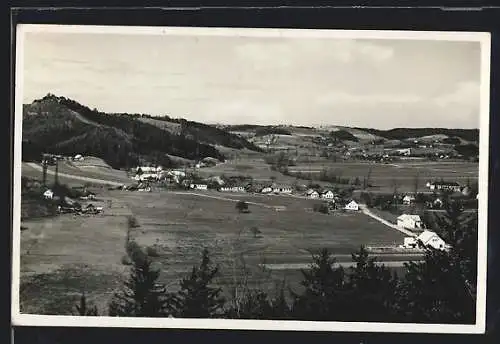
(327, 194)
(431, 239)
(311, 193)
(352, 205)
(408, 199)
(409, 221)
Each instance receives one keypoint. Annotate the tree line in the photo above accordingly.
(439, 289)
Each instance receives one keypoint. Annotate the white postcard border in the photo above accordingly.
(484, 38)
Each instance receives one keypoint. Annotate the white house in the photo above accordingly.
(410, 242)
(147, 176)
(78, 157)
(49, 194)
(328, 194)
(429, 238)
(232, 189)
(352, 205)
(282, 189)
(312, 193)
(266, 190)
(409, 221)
(199, 186)
(408, 199)
(449, 186)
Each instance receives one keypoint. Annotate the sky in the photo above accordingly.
(261, 80)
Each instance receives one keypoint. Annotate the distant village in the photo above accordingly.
(147, 178)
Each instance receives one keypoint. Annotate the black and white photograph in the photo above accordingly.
(262, 179)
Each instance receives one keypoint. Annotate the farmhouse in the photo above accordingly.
(409, 221)
(88, 196)
(327, 194)
(233, 189)
(410, 242)
(446, 186)
(312, 193)
(199, 186)
(150, 169)
(284, 189)
(429, 238)
(147, 176)
(48, 194)
(408, 199)
(78, 157)
(266, 190)
(352, 205)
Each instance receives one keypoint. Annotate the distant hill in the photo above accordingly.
(471, 135)
(63, 126)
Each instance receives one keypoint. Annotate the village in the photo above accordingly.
(408, 218)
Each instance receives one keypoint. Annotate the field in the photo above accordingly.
(383, 177)
(63, 256)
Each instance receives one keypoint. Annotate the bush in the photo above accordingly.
(321, 208)
(132, 222)
(126, 260)
(152, 251)
(242, 207)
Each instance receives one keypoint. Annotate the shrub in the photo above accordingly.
(132, 222)
(152, 251)
(242, 207)
(126, 260)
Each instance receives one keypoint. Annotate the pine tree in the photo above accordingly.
(84, 309)
(371, 287)
(197, 298)
(141, 295)
(441, 289)
(323, 297)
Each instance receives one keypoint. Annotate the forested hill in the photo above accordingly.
(63, 126)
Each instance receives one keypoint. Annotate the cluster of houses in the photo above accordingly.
(426, 239)
(68, 205)
(445, 186)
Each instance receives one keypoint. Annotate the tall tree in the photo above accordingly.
(84, 309)
(141, 294)
(441, 289)
(197, 298)
(372, 289)
(323, 295)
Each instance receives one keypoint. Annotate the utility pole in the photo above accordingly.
(56, 178)
(44, 172)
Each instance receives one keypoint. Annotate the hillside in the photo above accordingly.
(63, 126)
(199, 131)
(471, 135)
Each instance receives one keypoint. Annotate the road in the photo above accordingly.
(298, 266)
(367, 212)
(71, 176)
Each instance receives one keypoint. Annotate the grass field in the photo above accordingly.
(63, 256)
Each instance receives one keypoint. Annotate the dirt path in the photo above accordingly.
(226, 199)
(85, 120)
(367, 212)
(71, 176)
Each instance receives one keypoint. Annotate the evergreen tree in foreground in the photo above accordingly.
(197, 298)
(442, 288)
(371, 289)
(141, 295)
(84, 309)
(323, 297)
